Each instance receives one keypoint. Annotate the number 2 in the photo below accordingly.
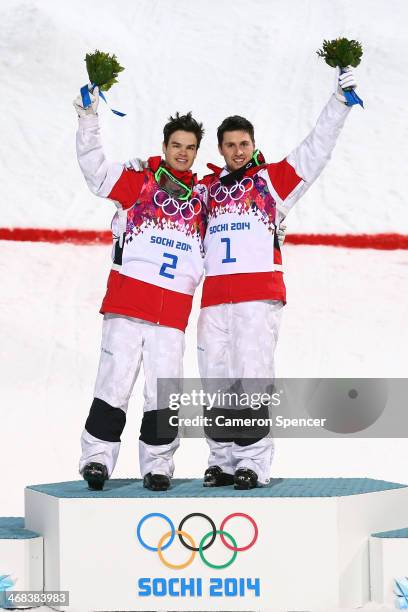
(171, 266)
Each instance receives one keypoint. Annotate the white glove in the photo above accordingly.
(137, 164)
(90, 110)
(343, 80)
(281, 232)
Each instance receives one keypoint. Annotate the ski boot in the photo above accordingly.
(95, 474)
(215, 477)
(156, 482)
(245, 479)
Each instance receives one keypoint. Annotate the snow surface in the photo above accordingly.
(347, 309)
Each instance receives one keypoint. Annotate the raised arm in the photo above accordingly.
(105, 179)
(313, 153)
(293, 176)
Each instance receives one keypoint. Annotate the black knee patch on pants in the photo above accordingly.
(156, 428)
(105, 422)
(212, 427)
(240, 434)
(260, 429)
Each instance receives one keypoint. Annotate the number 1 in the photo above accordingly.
(228, 258)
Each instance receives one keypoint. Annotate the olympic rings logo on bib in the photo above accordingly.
(208, 539)
(220, 192)
(171, 206)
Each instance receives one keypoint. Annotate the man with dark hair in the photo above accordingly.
(244, 290)
(232, 124)
(157, 264)
(185, 123)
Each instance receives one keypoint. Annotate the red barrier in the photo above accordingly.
(386, 242)
(73, 236)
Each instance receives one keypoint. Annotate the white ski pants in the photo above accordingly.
(126, 344)
(238, 341)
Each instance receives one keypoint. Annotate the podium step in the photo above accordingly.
(278, 487)
(388, 563)
(296, 544)
(13, 528)
(21, 558)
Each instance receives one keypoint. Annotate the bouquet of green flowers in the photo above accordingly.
(102, 72)
(102, 69)
(342, 52)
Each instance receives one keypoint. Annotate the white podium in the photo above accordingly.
(297, 544)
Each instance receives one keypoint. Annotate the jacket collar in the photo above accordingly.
(237, 174)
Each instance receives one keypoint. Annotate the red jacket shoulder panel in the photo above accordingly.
(154, 162)
(215, 169)
(283, 177)
(127, 188)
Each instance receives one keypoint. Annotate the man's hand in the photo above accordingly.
(344, 80)
(137, 164)
(90, 110)
(281, 232)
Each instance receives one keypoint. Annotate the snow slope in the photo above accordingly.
(216, 58)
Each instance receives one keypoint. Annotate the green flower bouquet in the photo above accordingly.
(342, 52)
(103, 70)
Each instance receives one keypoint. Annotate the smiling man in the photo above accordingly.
(157, 263)
(244, 290)
(237, 145)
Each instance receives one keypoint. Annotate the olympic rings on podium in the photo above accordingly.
(214, 529)
(234, 554)
(211, 536)
(180, 535)
(159, 515)
(254, 525)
